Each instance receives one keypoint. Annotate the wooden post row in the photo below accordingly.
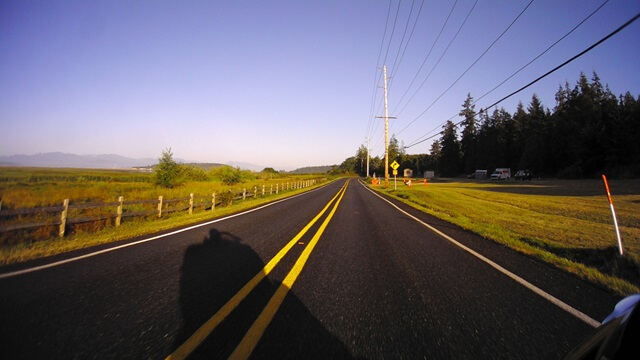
(63, 217)
(119, 211)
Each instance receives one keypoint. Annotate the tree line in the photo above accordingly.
(589, 131)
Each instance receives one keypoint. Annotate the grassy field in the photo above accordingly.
(566, 223)
(36, 187)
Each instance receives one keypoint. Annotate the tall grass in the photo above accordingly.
(25, 188)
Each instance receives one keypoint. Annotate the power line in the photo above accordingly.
(395, 69)
(566, 62)
(529, 63)
(544, 75)
(469, 68)
(544, 52)
(375, 75)
(429, 53)
(393, 30)
(440, 58)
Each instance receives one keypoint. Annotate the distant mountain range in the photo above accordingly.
(246, 166)
(112, 161)
(312, 170)
(58, 159)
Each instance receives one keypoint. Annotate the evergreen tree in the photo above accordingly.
(534, 142)
(468, 142)
(435, 153)
(492, 149)
(628, 149)
(450, 158)
(167, 171)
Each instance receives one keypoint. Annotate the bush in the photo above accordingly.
(269, 173)
(225, 198)
(227, 175)
(193, 173)
(167, 172)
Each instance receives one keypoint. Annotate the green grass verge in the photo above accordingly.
(564, 223)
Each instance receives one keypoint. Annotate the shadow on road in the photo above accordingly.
(214, 271)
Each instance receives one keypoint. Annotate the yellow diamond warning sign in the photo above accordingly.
(394, 165)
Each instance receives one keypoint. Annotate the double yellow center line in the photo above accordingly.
(250, 340)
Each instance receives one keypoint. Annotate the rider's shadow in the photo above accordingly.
(212, 273)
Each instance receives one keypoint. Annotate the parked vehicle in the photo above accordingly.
(523, 175)
(501, 174)
(479, 175)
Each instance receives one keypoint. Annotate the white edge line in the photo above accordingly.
(564, 306)
(61, 262)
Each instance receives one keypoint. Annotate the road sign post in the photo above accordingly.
(394, 165)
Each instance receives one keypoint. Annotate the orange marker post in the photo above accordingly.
(613, 213)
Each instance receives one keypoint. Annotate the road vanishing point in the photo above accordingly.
(338, 272)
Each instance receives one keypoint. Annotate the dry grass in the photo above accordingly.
(25, 188)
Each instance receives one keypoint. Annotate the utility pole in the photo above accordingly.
(386, 131)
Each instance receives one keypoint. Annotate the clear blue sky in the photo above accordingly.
(284, 84)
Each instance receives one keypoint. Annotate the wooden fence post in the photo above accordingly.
(277, 187)
(119, 211)
(191, 204)
(263, 190)
(63, 217)
(213, 201)
(271, 189)
(255, 191)
(244, 193)
(160, 206)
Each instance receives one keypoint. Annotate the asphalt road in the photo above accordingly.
(363, 281)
